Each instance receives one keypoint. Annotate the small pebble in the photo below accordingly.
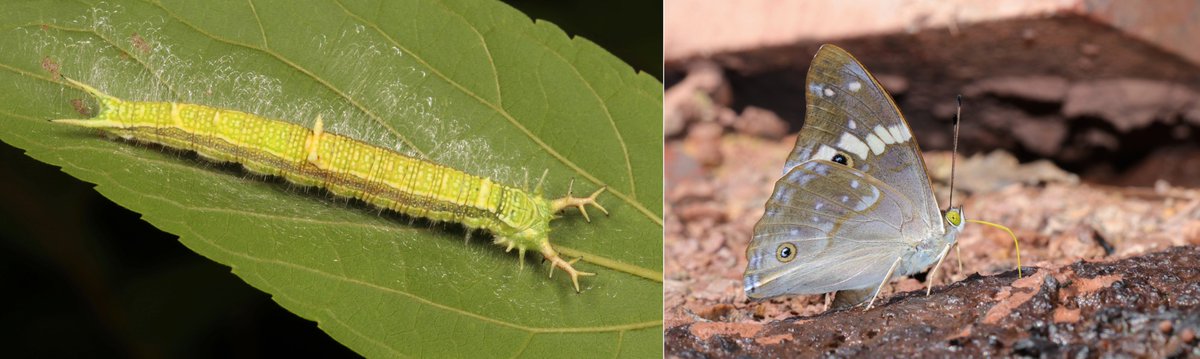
(1165, 327)
(1188, 336)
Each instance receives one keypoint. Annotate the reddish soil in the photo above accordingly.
(1127, 307)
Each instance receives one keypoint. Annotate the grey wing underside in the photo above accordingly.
(847, 227)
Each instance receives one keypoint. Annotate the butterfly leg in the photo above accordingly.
(886, 279)
(933, 272)
(958, 250)
(579, 202)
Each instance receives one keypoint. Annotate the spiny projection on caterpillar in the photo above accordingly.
(346, 167)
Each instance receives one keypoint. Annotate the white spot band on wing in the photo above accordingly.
(824, 153)
(877, 146)
(884, 135)
(853, 145)
(896, 133)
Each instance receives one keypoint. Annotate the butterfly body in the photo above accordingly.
(928, 252)
(854, 207)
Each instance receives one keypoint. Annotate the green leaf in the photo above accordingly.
(474, 85)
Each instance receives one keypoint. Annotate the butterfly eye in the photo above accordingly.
(954, 218)
(786, 252)
(841, 158)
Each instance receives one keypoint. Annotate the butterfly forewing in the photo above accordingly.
(848, 112)
(854, 148)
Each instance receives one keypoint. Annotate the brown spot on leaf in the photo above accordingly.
(81, 107)
(140, 43)
(50, 65)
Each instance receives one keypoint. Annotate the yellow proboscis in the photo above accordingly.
(1016, 244)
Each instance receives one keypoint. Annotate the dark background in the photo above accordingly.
(84, 277)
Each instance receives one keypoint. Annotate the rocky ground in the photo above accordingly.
(1105, 268)
(1109, 248)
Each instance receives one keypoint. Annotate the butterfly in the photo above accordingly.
(854, 207)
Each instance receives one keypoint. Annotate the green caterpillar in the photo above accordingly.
(346, 167)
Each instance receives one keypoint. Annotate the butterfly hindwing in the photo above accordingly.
(838, 227)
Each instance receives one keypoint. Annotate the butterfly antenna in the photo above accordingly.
(1016, 244)
(954, 153)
